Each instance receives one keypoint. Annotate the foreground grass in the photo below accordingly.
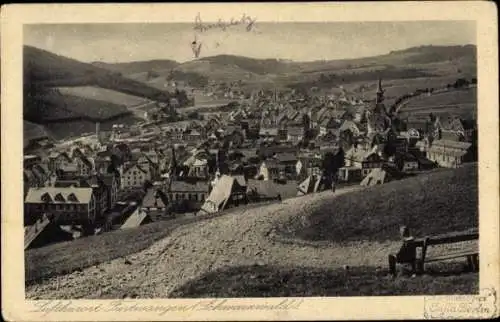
(433, 203)
(272, 281)
(64, 258)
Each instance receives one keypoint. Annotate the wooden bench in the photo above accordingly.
(470, 252)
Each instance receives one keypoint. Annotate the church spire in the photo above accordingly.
(380, 92)
(173, 164)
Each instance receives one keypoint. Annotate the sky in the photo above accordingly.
(295, 41)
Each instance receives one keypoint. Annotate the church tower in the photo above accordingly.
(380, 93)
(379, 105)
(173, 165)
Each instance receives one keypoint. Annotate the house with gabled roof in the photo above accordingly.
(363, 159)
(187, 195)
(84, 165)
(381, 175)
(454, 128)
(268, 133)
(64, 205)
(349, 125)
(308, 165)
(450, 154)
(134, 176)
(68, 171)
(31, 160)
(145, 163)
(155, 203)
(271, 169)
(227, 191)
(295, 134)
(57, 160)
(330, 125)
(310, 185)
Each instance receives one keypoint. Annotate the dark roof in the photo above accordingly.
(406, 156)
(66, 183)
(195, 186)
(266, 188)
(154, 198)
(285, 157)
(130, 166)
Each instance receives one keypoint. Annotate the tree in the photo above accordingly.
(461, 82)
(328, 164)
(194, 115)
(147, 184)
(339, 159)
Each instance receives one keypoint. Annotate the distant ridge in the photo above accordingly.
(221, 66)
(138, 66)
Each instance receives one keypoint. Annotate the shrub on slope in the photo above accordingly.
(433, 203)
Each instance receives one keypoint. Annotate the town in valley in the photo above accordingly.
(118, 156)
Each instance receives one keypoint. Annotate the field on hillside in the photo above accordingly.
(395, 88)
(453, 97)
(74, 106)
(101, 94)
(434, 203)
(461, 102)
(66, 129)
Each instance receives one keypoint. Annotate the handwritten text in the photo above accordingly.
(220, 24)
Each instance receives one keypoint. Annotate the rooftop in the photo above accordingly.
(71, 195)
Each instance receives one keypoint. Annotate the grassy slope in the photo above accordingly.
(66, 257)
(438, 202)
(69, 256)
(449, 204)
(275, 281)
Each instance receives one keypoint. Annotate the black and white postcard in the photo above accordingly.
(250, 161)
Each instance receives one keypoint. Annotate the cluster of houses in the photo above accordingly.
(227, 159)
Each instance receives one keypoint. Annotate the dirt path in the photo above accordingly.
(245, 237)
